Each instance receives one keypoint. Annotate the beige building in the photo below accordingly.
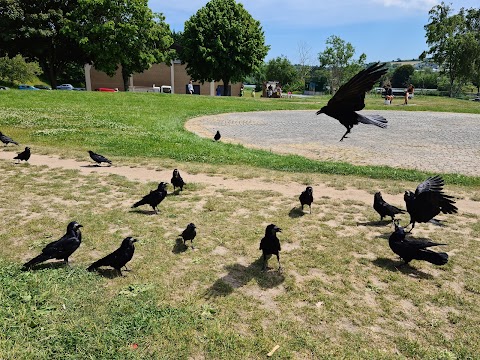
(160, 77)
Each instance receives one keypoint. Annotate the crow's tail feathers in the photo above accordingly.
(95, 265)
(377, 120)
(36, 260)
(433, 257)
(138, 203)
(437, 222)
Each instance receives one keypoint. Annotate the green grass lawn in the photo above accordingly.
(340, 294)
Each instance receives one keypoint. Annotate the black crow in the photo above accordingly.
(270, 244)
(350, 98)
(189, 233)
(411, 249)
(154, 198)
(177, 180)
(6, 140)
(119, 258)
(306, 197)
(62, 248)
(217, 136)
(428, 201)
(24, 155)
(383, 208)
(99, 158)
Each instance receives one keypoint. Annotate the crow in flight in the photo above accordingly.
(217, 136)
(350, 98)
(177, 180)
(411, 249)
(154, 198)
(99, 158)
(428, 201)
(6, 140)
(383, 208)
(119, 258)
(189, 233)
(306, 198)
(24, 155)
(60, 249)
(270, 245)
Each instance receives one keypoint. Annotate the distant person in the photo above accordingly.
(269, 91)
(388, 93)
(241, 90)
(408, 93)
(253, 92)
(279, 91)
(219, 91)
(190, 87)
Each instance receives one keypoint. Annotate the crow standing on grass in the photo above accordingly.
(177, 180)
(411, 249)
(189, 233)
(383, 208)
(154, 198)
(6, 140)
(60, 249)
(306, 198)
(24, 155)
(428, 201)
(270, 245)
(119, 258)
(99, 158)
(350, 98)
(217, 136)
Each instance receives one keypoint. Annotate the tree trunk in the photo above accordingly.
(226, 81)
(125, 77)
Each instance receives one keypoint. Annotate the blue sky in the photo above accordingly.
(382, 29)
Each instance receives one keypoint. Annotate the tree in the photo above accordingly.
(121, 33)
(222, 41)
(35, 29)
(281, 69)
(338, 59)
(473, 24)
(401, 76)
(17, 69)
(304, 67)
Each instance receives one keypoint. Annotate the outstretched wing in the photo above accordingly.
(352, 93)
(430, 194)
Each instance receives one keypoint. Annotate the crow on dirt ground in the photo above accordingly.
(6, 140)
(60, 249)
(189, 233)
(306, 198)
(154, 198)
(350, 98)
(270, 245)
(217, 136)
(99, 158)
(119, 258)
(428, 201)
(24, 155)
(177, 180)
(412, 249)
(383, 208)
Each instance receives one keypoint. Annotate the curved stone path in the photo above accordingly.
(431, 141)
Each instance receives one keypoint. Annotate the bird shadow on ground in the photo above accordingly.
(47, 265)
(296, 213)
(108, 273)
(90, 166)
(391, 265)
(240, 275)
(144, 212)
(375, 223)
(179, 246)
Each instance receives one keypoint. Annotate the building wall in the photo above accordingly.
(158, 75)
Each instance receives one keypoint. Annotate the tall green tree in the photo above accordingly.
(281, 69)
(35, 29)
(337, 58)
(121, 33)
(222, 41)
(401, 76)
(17, 69)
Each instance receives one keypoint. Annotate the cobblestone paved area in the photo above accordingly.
(437, 142)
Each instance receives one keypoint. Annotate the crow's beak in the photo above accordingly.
(79, 226)
(278, 229)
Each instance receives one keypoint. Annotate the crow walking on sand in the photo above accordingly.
(410, 249)
(99, 159)
(189, 234)
(428, 201)
(6, 140)
(60, 249)
(306, 198)
(217, 136)
(270, 245)
(350, 98)
(24, 155)
(383, 208)
(154, 198)
(177, 180)
(119, 258)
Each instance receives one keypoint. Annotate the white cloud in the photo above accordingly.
(423, 5)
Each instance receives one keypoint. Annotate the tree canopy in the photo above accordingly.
(401, 76)
(222, 41)
(281, 69)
